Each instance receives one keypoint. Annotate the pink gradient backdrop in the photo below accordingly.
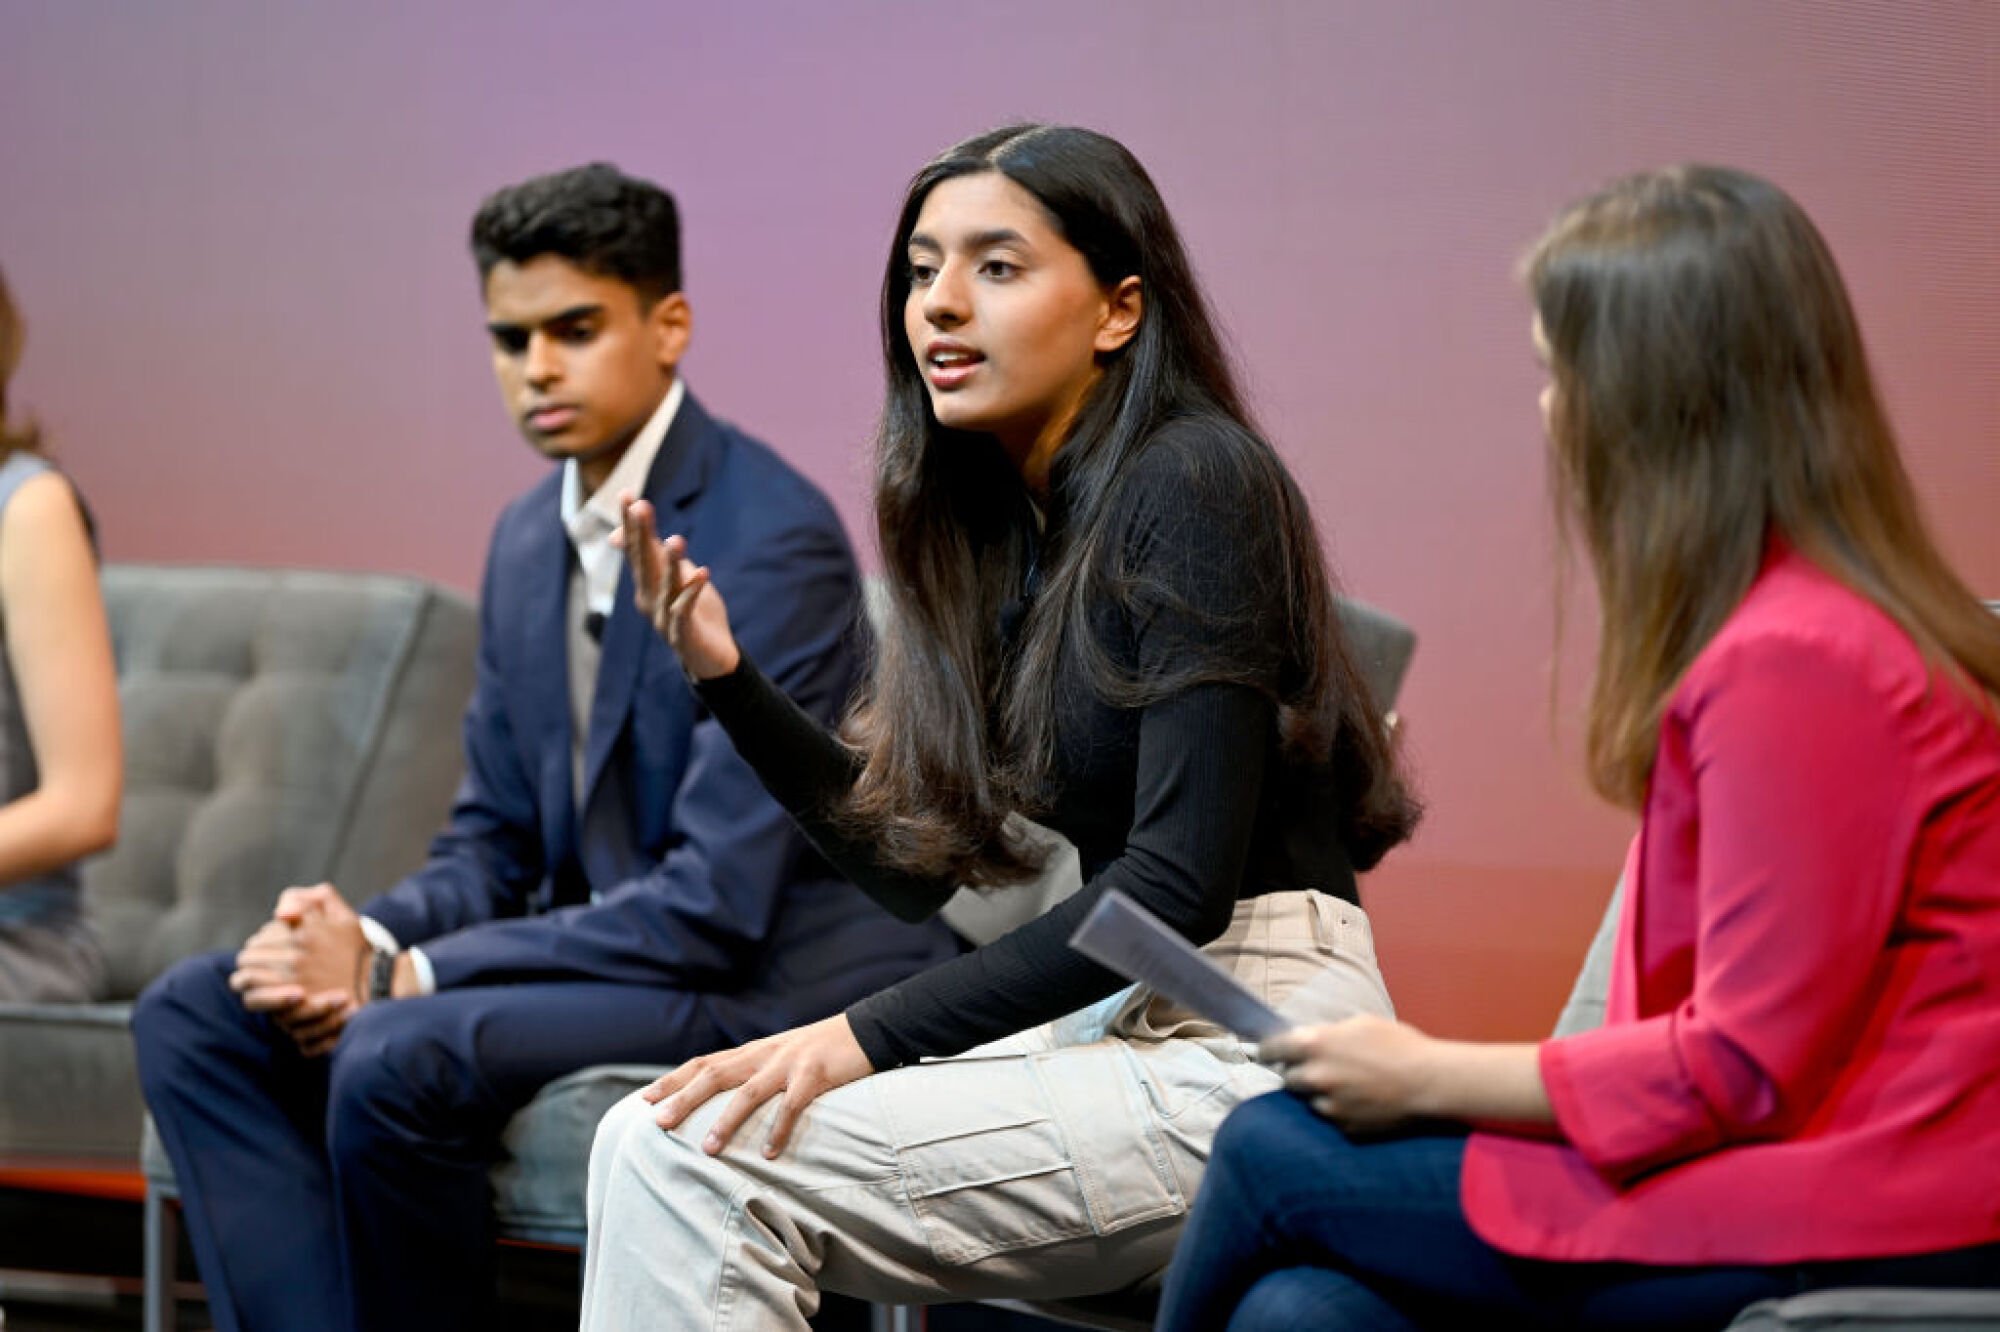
(238, 228)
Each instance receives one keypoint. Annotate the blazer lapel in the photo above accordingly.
(675, 480)
(544, 576)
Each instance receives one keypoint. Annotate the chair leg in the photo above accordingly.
(897, 1318)
(162, 1247)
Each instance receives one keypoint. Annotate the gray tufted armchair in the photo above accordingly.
(280, 728)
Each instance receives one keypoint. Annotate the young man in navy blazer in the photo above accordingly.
(613, 885)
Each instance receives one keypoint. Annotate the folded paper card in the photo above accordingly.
(1124, 936)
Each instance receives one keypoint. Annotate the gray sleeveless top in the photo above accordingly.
(50, 900)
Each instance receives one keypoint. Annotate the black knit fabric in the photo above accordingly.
(1185, 804)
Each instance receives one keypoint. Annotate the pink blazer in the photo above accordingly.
(1801, 1052)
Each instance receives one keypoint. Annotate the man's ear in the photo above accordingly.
(671, 322)
(1124, 306)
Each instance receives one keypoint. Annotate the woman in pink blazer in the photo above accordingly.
(1798, 1080)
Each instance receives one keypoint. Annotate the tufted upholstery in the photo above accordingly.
(280, 728)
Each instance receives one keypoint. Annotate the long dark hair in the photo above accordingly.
(1711, 392)
(13, 336)
(956, 731)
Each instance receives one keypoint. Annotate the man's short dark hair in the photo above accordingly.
(597, 217)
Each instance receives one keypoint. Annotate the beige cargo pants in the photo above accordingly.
(1052, 1165)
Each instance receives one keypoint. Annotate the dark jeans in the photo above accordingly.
(1297, 1227)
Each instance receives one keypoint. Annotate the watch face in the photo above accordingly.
(381, 974)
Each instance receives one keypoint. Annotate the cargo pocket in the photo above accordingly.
(1004, 1154)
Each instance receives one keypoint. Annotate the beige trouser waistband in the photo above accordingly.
(1307, 954)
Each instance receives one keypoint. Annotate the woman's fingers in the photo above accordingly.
(674, 570)
(711, 1079)
(660, 573)
(667, 588)
(740, 1107)
(1292, 1045)
(691, 581)
(636, 530)
(665, 1085)
(643, 553)
(790, 1106)
(620, 536)
(797, 1066)
(679, 1092)
(678, 1097)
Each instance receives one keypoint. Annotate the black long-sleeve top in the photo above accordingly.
(1186, 804)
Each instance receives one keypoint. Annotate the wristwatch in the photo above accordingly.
(381, 974)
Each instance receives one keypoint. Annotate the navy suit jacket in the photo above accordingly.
(680, 870)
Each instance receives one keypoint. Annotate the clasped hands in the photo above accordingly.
(306, 967)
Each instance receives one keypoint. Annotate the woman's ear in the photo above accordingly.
(1124, 306)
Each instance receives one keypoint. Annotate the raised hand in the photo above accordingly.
(676, 595)
(799, 1065)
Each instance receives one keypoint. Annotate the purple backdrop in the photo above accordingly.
(237, 229)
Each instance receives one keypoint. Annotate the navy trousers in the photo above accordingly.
(1298, 1227)
(350, 1192)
